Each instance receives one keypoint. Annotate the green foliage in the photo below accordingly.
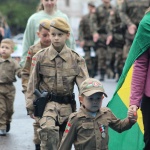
(17, 12)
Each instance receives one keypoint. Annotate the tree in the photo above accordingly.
(17, 13)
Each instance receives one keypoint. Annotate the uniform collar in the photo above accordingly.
(63, 54)
(3, 60)
(84, 113)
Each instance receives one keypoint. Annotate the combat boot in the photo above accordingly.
(37, 147)
(7, 127)
(102, 74)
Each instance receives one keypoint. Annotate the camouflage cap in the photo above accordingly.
(91, 86)
(45, 23)
(60, 24)
(91, 3)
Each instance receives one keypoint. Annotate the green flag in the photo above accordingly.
(133, 138)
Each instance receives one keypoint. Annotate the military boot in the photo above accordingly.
(7, 127)
(102, 74)
(37, 147)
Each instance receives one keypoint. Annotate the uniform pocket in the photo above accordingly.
(87, 129)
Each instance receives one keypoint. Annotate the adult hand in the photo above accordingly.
(132, 29)
(96, 37)
(109, 39)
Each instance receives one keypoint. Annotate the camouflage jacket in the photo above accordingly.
(132, 11)
(85, 29)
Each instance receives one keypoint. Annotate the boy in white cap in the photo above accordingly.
(87, 129)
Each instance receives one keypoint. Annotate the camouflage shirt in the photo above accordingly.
(55, 72)
(25, 73)
(85, 29)
(100, 18)
(132, 11)
(91, 133)
(9, 68)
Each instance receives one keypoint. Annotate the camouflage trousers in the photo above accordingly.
(7, 95)
(52, 125)
(89, 61)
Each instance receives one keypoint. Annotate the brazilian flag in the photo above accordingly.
(133, 138)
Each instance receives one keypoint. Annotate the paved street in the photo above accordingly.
(21, 133)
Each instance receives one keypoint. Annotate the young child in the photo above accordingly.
(87, 129)
(56, 69)
(9, 68)
(44, 42)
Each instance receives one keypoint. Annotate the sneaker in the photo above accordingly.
(2, 132)
(7, 127)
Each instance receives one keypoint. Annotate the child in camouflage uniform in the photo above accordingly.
(88, 128)
(44, 42)
(9, 68)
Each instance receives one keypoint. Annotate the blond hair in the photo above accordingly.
(10, 42)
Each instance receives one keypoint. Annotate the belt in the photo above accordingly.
(67, 99)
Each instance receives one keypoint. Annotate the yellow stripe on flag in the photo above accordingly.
(124, 94)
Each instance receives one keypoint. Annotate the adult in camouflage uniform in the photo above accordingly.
(86, 37)
(44, 42)
(100, 20)
(115, 41)
(131, 12)
(56, 70)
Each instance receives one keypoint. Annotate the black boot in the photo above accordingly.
(7, 127)
(102, 73)
(37, 147)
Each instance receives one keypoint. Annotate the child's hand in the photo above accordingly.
(132, 115)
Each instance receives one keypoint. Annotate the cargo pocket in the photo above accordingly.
(87, 129)
(64, 112)
(43, 135)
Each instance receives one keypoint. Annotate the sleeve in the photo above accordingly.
(69, 135)
(17, 69)
(139, 76)
(25, 73)
(94, 25)
(83, 71)
(81, 35)
(111, 20)
(28, 39)
(32, 84)
(118, 124)
(122, 7)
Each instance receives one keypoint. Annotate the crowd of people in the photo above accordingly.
(110, 33)
(50, 67)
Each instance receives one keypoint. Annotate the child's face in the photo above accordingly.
(44, 36)
(5, 50)
(93, 102)
(58, 38)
